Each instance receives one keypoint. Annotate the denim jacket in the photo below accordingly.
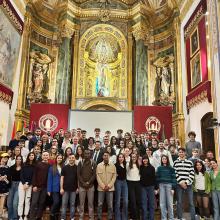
(53, 181)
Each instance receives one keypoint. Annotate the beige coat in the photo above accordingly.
(106, 176)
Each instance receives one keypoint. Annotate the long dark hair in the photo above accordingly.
(131, 162)
(117, 161)
(168, 161)
(77, 155)
(65, 154)
(28, 160)
(55, 164)
(203, 167)
(21, 160)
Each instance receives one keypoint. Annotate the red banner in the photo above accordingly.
(153, 118)
(49, 117)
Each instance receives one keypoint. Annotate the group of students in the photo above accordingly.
(130, 171)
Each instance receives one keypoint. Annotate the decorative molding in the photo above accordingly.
(6, 94)
(66, 30)
(12, 14)
(141, 32)
(201, 94)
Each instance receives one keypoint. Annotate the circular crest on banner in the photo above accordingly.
(153, 124)
(48, 123)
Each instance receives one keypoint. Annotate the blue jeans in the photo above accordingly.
(148, 202)
(12, 201)
(166, 201)
(121, 191)
(109, 200)
(216, 204)
(189, 193)
(68, 196)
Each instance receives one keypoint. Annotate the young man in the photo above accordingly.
(106, 176)
(24, 151)
(97, 132)
(162, 151)
(86, 172)
(35, 138)
(39, 183)
(84, 140)
(185, 175)
(68, 187)
(191, 144)
(98, 153)
(14, 142)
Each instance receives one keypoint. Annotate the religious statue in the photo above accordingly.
(38, 83)
(164, 87)
(102, 82)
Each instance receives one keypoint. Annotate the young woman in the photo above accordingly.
(113, 144)
(4, 180)
(166, 178)
(53, 186)
(148, 182)
(12, 201)
(153, 161)
(25, 186)
(139, 144)
(67, 152)
(121, 189)
(207, 165)
(67, 142)
(121, 147)
(112, 156)
(134, 188)
(79, 154)
(16, 152)
(53, 155)
(215, 180)
(202, 188)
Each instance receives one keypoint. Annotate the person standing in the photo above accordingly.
(215, 180)
(184, 175)
(4, 180)
(39, 183)
(12, 201)
(134, 187)
(53, 186)
(121, 189)
(191, 144)
(86, 173)
(25, 186)
(202, 188)
(106, 176)
(148, 183)
(166, 179)
(68, 187)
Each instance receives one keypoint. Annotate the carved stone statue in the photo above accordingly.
(164, 86)
(38, 83)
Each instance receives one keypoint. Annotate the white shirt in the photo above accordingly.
(133, 173)
(158, 153)
(199, 181)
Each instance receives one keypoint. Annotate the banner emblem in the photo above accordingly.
(48, 123)
(153, 124)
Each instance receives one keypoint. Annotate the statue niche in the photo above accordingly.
(164, 86)
(102, 63)
(38, 81)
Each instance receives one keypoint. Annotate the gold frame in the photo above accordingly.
(196, 30)
(192, 62)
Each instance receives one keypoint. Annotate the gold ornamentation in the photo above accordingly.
(66, 30)
(141, 32)
(197, 99)
(12, 16)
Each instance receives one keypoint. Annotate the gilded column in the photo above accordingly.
(21, 112)
(178, 117)
(63, 79)
(75, 68)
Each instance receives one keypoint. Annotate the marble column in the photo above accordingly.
(64, 68)
(141, 74)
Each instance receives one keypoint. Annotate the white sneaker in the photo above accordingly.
(20, 218)
(25, 218)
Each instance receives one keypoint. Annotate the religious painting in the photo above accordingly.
(194, 42)
(9, 48)
(196, 75)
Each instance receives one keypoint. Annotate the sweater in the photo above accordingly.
(166, 174)
(215, 181)
(27, 174)
(147, 174)
(207, 183)
(184, 171)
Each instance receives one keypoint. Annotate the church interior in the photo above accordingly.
(116, 57)
(112, 55)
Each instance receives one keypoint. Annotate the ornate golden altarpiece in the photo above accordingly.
(105, 54)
